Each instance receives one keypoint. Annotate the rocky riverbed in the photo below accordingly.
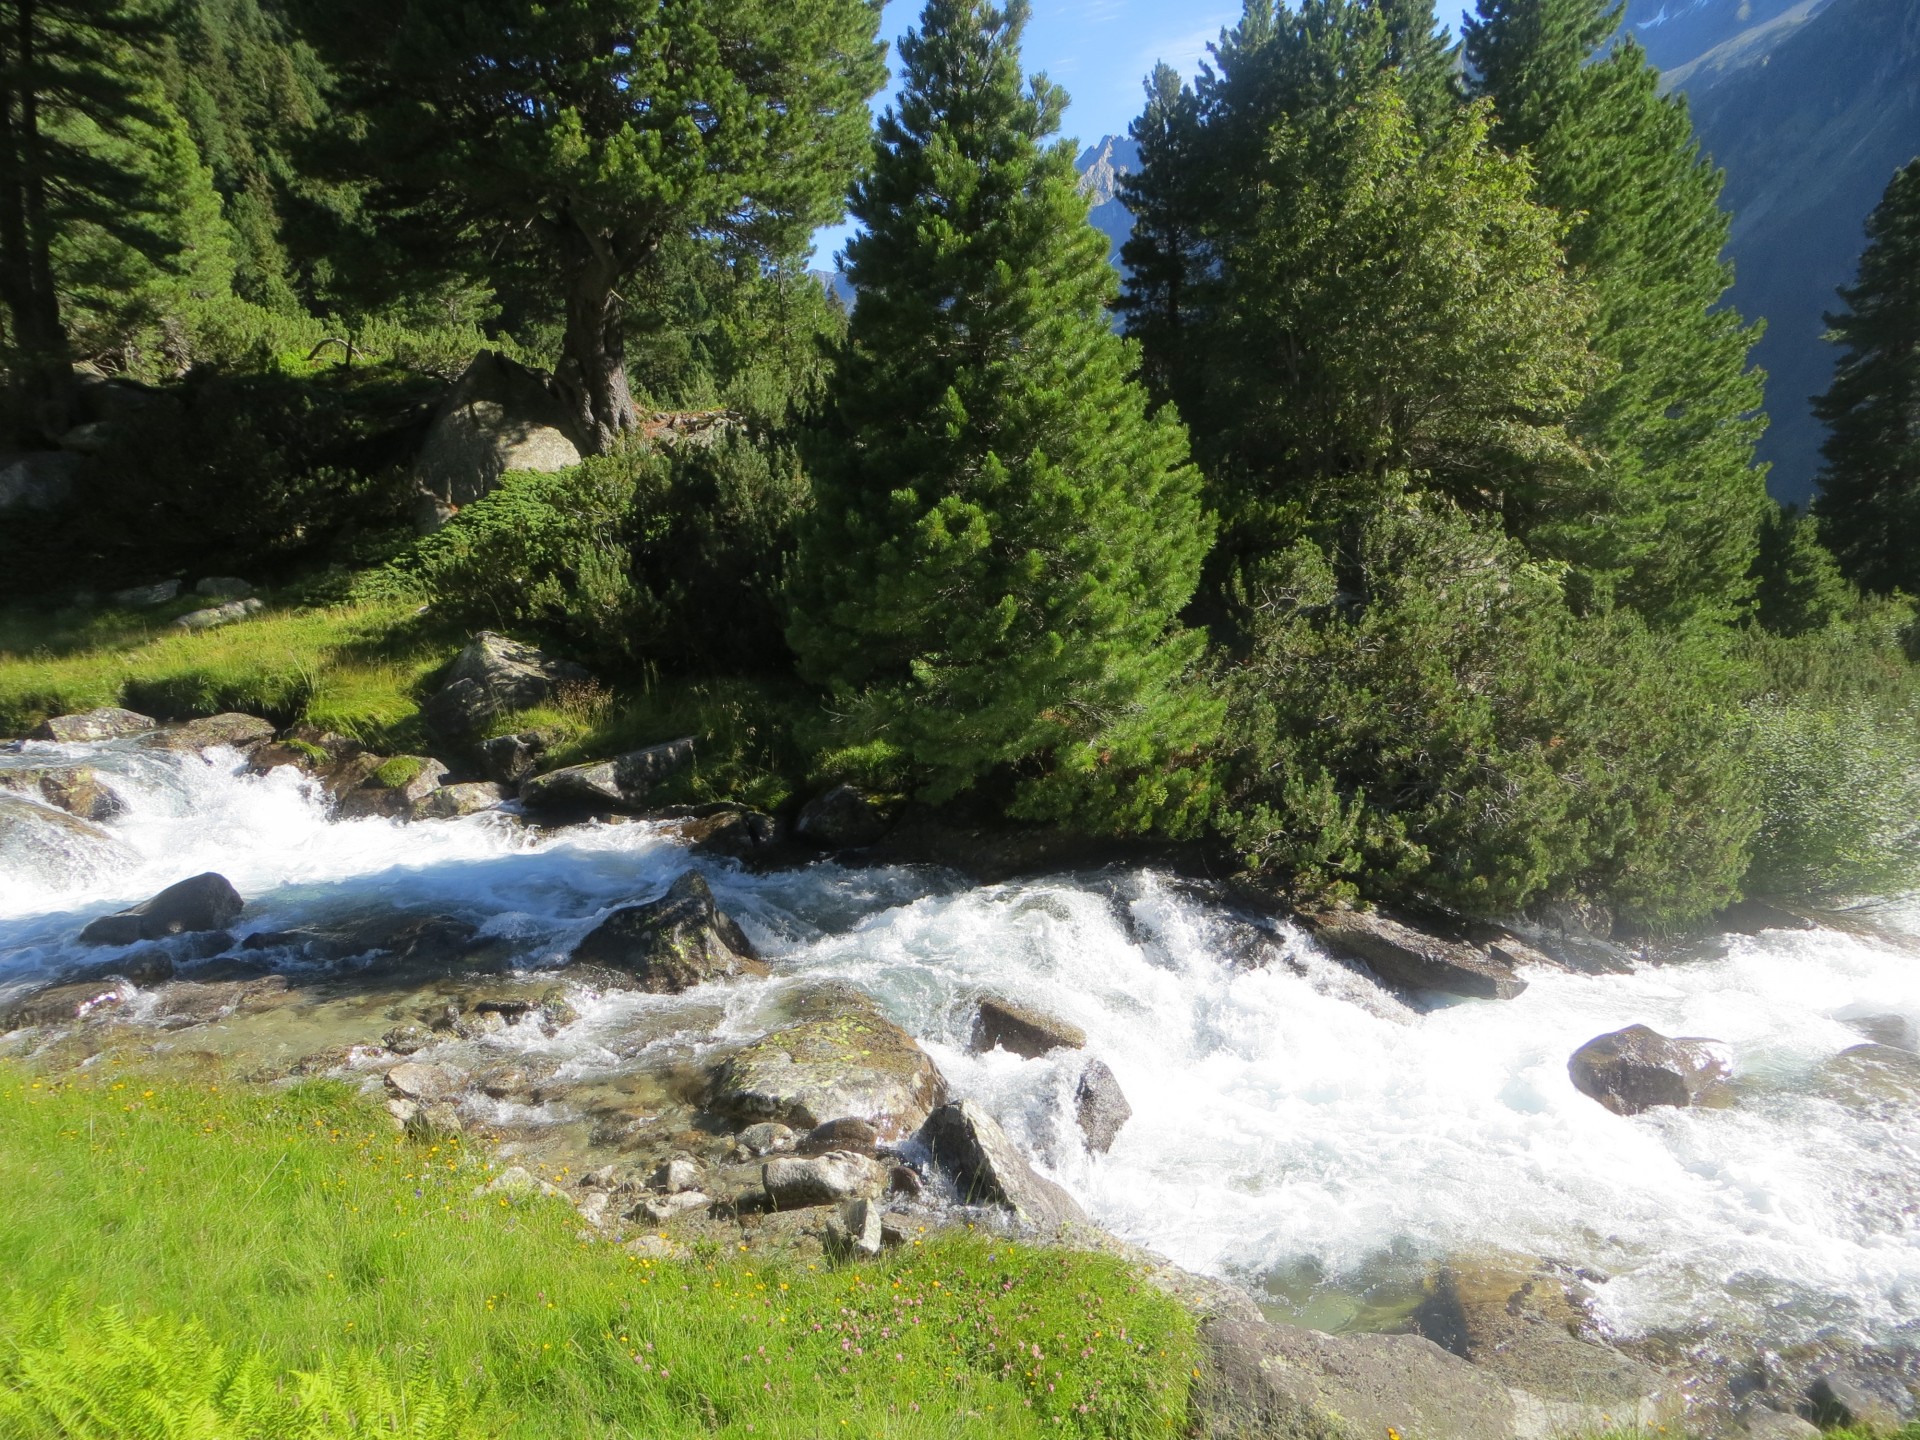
(1358, 1147)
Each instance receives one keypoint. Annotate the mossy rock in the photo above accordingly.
(394, 774)
(851, 1061)
(674, 943)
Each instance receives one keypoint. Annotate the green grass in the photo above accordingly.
(296, 1227)
(353, 669)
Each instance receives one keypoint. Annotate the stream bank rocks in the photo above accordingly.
(74, 788)
(845, 1059)
(492, 676)
(1414, 960)
(671, 944)
(106, 723)
(967, 1143)
(623, 784)
(1638, 1068)
(1099, 1106)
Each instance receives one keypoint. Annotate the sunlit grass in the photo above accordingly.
(296, 1224)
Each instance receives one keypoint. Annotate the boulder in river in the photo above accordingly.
(793, 1182)
(1895, 1031)
(76, 789)
(626, 782)
(1411, 959)
(1099, 1106)
(107, 723)
(394, 788)
(969, 1145)
(843, 818)
(1638, 1068)
(1022, 1030)
(849, 1132)
(766, 1138)
(1860, 1398)
(492, 676)
(232, 731)
(1529, 1326)
(671, 944)
(451, 802)
(1867, 1076)
(63, 1004)
(59, 848)
(731, 830)
(203, 903)
(844, 1059)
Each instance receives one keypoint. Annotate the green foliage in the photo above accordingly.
(1869, 503)
(563, 146)
(1798, 587)
(1003, 533)
(1437, 723)
(298, 1222)
(1679, 413)
(108, 1377)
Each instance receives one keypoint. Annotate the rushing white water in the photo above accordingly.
(1292, 1123)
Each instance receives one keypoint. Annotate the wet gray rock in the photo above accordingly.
(626, 783)
(1411, 959)
(1872, 1076)
(766, 1138)
(106, 723)
(1022, 1030)
(674, 943)
(64, 1004)
(1897, 1032)
(794, 1182)
(223, 587)
(969, 1145)
(1099, 1106)
(1638, 1068)
(394, 788)
(76, 789)
(491, 677)
(842, 818)
(38, 840)
(730, 830)
(672, 1177)
(202, 903)
(1860, 1398)
(510, 759)
(844, 1060)
(231, 731)
(858, 1230)
(1761, 1423)
(427, 1084)
(848, 1133)
(404, 938)
(407, 1039)
(215, 616)
(338, 763)
(452, 802)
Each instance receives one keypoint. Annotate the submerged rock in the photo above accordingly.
(1403, 956)
(76, 789)
(106, 723)
(57, 848)
(794, 1182)
(1895, 1031)
(492, 676)
(1860, 1398)
(850, 1060)
(767, 1138)
(624, 783)
(730, 830)
(63, 1004)
(203, 903)
(1638, 1068)
(1021, 1030)
(969, 1145)
(674, 943)
(1099, 1106)
(1872, 1075)
(842, 818)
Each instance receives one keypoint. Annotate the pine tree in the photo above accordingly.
(1869, 503)
(573, 138)
(1003, 532)
(65, 65)
(1677, 424)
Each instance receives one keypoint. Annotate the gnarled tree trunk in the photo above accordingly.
(592, 375)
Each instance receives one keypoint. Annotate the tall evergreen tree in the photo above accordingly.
(69, 70)
(1869, 503)
(1678, 422)
(1003, 531)
(579, 136)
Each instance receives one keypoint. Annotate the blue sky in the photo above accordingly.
(1099, 51)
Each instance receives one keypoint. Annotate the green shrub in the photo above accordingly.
(1422, 715)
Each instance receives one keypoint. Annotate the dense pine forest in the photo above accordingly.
(1393, 531)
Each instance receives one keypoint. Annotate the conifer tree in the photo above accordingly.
(1678, 422)
(1869, 503)
(1003, 532)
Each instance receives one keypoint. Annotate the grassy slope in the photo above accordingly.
(297, 1223)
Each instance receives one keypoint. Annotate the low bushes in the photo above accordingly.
(298, 1223)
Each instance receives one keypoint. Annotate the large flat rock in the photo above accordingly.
(1412, 959)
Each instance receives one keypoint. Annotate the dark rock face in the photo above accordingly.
(967, 1143)
(394, 788)
(1405, 957)
(1860, 1398)
(674, 943)
(1099, 1106)
(842, 818)
(1896, 1032)
(510, 759)
(76, 789)
(492, 676)
(624, 783)
(339, 764)
(845, 1060)
(1753, 917)
(1638, 1068)
(1527, 1326)
(206, 902)
(244, 733)
(733, 831)
(1021, 1030)
(106, 723)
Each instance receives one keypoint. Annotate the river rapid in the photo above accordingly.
(1295, 1126)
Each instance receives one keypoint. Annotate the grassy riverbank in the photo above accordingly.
(297, 1230)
